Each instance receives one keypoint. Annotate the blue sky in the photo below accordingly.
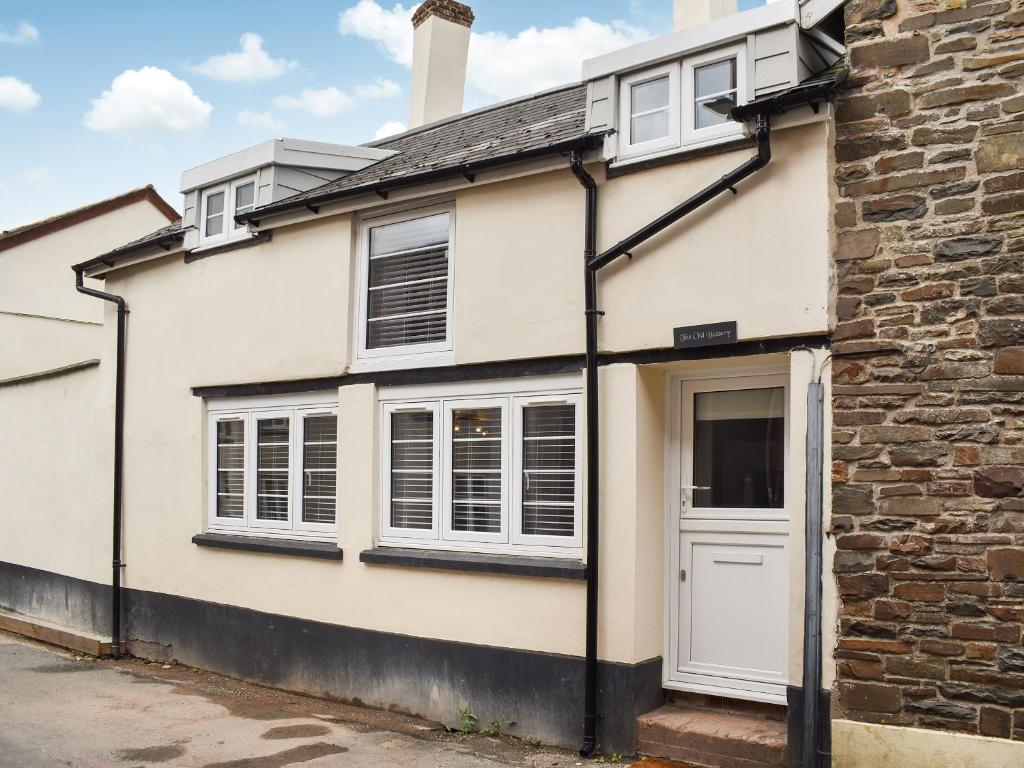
(99, 98)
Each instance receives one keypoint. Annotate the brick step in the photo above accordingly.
(712, 739)
(54, 634)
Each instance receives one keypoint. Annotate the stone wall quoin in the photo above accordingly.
(928, 448)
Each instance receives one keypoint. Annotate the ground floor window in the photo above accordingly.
(273, 468)
(492, 467)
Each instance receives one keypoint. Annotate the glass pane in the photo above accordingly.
(273, 448)
(407, 287)
(738, 449)
(649, 127)
(245, 195)
(476, 470)
(713, 111)
(230, 469)
(649, 96)
(549, 470)
(215, 214)
(714, 78)
(412, 470)
(319, 468)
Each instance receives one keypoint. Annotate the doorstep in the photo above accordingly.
(713, 738)
(54, 634)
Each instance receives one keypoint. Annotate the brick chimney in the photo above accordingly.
(440, 53)
(690, 13)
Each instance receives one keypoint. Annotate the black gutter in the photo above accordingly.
(762, 135)
(117, 565)
(385, 186)
(593, 457)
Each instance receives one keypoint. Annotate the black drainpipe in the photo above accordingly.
(122, 313)
(593, 263)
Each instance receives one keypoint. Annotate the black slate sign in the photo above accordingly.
(709, 335)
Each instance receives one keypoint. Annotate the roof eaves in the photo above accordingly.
(164, 239)
(384, 186)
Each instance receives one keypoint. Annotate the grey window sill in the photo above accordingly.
(316, 549)
(513, 565)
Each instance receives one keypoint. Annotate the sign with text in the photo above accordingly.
(709, 335)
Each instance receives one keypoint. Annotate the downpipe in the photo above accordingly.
(593, 460)
(117, 564)
(592, 264)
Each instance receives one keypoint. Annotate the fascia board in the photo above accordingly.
(703, 36)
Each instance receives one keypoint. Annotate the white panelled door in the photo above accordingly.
(728, 580)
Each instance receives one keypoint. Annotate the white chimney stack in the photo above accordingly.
(439, 57)
(690, 13)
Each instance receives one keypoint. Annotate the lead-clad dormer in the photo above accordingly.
(218, 191)
(673, 93)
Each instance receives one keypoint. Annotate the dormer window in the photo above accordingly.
(221, 204)
(682, 103)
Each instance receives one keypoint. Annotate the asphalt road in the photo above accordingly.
(59, 710)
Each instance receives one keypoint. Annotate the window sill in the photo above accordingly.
(511, 565)
(631, 164)
(322, 550)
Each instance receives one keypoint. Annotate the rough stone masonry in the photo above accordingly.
(928, 446)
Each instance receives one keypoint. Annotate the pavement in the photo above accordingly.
(60, 709)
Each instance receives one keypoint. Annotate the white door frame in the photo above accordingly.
(772, 527)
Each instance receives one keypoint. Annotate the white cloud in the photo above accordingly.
(23, 34)
(391, 30)
(17, 96)
(328, 102)
(247, 65)
(500, 66)
(322, 102)
(389, 129)
(148, 100)
(381, 88)
(251, 119)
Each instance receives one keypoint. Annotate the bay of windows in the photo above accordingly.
(274, 470)
(494, 472)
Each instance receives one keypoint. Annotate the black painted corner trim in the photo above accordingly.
(513, 565)
(202, 253)
(316, 549)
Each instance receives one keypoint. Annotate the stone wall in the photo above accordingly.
(928, 494)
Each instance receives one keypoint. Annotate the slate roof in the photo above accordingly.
(538, 124)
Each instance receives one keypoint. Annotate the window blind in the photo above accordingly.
(319, 467)
(273, 446)
(412, 470)
(476, 470)
(549, 470)
(407, 290)
(231, 469)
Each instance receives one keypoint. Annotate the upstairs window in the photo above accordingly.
(220, 205)
(492, 472)
(682, 104)
(650, 113)
(406, 286)
(273, 470)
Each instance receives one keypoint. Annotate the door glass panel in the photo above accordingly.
(739, 448)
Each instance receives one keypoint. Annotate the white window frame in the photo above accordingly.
(437, 353)
(730, 129)
(231, 232)
(511, 396)
(249, 411)
(626, 147)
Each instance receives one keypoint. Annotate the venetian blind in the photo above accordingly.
(272, 454)
(319, 467)
(549, 469)
(412, 470)
(476, 470)
(407, 301)
(231, 469)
